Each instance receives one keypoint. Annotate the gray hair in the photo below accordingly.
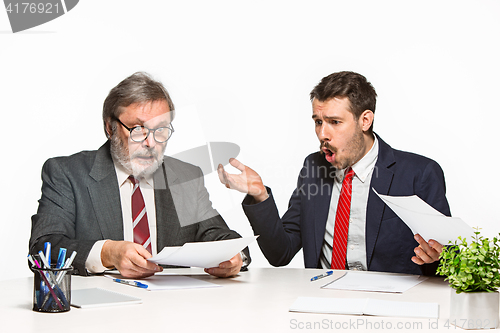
(137, 88)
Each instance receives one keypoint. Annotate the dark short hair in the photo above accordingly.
(137, 88)
(354, 86)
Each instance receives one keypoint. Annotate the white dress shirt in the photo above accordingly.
(356, 246)
(94, 263)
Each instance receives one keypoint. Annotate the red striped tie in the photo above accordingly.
(139, 216)
(339, 249)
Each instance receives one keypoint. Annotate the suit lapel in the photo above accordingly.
(381, 182)
(105, 195)
(167, 221)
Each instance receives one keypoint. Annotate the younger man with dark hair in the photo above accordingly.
(334, 214)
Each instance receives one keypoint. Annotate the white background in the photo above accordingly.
(241, 72)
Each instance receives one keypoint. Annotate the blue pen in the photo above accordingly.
(322, 276)
(47, 248)
(61, 258)
(132, 283)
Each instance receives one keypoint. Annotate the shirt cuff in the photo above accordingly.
(245, 260)
(93, 263)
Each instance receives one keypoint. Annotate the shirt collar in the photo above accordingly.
(123, 175)
(364, 166)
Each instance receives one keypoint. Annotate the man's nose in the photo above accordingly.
(149, 141)
(324, 133)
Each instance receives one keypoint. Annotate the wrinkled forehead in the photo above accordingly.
(163, 119)
(148, 113)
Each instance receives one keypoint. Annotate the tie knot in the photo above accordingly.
(349, 173)
(134, 180)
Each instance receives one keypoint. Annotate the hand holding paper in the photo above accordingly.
(426, 252)
(129, 258)
(227, 268)
(424, 220)
(204, 254)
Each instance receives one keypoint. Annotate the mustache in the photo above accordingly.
(327, 146)
(144, 152)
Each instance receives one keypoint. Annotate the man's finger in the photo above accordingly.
(226, 264)
(417, 260)
(431, 250)
(436, 245)
(423, 243)
(424, 256)
(142, 263)
(221, 172)
(227, 268)
(221, 272)
(237, 164)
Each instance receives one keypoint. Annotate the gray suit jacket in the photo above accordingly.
(80, 204)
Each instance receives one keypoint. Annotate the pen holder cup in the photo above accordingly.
(52, 289)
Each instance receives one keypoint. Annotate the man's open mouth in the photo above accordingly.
(329, 153)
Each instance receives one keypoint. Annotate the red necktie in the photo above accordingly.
(339, 249)
(139, 217)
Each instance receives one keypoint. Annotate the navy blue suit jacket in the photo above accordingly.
(389, 242)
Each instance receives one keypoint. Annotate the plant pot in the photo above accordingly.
(474, 310)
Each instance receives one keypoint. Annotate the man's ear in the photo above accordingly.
(109, 129)
(366, 120)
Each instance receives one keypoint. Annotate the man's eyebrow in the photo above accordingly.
(314, 116)
(332, 117)
(164, 123)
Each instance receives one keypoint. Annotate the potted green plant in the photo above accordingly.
(473, 270)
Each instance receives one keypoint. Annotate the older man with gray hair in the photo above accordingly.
(120, 204)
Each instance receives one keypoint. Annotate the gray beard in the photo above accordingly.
(120, 154)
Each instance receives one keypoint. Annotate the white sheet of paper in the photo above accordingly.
(170, 282)
(380, 282)
(365, 306)
(97, 297)
(352, 306)
(377, 307)
(202, 254)
(422, 219)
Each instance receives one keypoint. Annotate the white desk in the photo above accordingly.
(254, 301)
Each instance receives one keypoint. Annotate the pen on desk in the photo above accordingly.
(322, 276)
(132, 283)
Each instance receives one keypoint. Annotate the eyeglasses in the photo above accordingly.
(141, 133)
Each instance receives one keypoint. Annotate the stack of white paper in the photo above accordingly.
(365, 306)
(379, 282)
